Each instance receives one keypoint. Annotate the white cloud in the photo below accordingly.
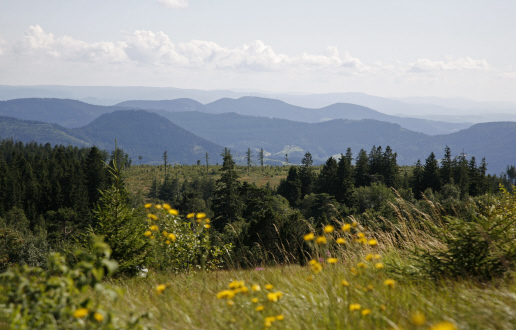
(38, 43)
(426, 65)
(174, 4)
(2, 44)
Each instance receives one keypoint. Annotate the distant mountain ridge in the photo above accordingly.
(271, 108)
(138, 132)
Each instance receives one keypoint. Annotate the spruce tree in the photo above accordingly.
(227, 204)
(306, 175)
(431, 177)
(345, 193)
(121, 226)
(327, 180)
(362, 169)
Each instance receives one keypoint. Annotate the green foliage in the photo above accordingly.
(121, 226)
(180, 245)
(483, 247)
(54, 299)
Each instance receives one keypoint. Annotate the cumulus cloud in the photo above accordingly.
(37, 42)
(174, 4)
(426, 65)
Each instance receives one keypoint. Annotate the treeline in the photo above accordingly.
(261, 221)
(48, 193)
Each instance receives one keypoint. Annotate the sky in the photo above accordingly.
(390, 48)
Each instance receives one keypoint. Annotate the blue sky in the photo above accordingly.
(391, 48)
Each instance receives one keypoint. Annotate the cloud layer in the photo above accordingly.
(156, 49)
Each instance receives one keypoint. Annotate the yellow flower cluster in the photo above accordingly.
(236, 287)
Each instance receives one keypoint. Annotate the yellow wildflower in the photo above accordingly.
(158, 206)
(418, 318)
(389, 283)
(80, 313)
(354, 307)
(368, 257)
(98, 317)
(273, 297)
(361, 235)
(373, 242)
(260, 308)
(148, 205)
(167, 242)
(329, 229)
(366, 311)
(309, 237)
(362, 240)
(378, 265)
(166, 206)
(445, 325)
(316, 267)
(207, 220)
(165, 233)
(160, 288)
(190, 215)
(171, 237)
(354, 224)
(383, 307)
(173, 212)
(201, 215)
(269, 287)
(280, 317)
(236, 284)
(225, 294)
(255, 300)
(154, 228)
(321, 240)
(207, 226)
(153, 237)
(255, 287)
(147, 233)
(231, 302)
(377, 256)
(346, 227)
(345, 283)
(332, 260)
(361, 265)
(354, 271)
(152, 216)
(341, 240)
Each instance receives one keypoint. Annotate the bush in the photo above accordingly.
(482, 248)
(181, 244)
(32, 298)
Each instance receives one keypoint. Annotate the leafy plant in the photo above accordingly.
(482, 248)
(33, 298)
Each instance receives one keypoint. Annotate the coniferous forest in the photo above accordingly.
(88, 216)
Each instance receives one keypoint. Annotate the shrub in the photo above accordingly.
(180, 244)
(36, 299)
(482, 247)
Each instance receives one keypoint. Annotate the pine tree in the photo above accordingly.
(416, 181)
(431, 177)
(362, 169)
(345, 189)
(227, 204)
(306, 175)
(327, 180)
(291, 187)
(446, 167)
(121, 226)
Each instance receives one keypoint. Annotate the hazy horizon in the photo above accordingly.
(400, 49)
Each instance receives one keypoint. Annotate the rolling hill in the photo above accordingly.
(271, 108)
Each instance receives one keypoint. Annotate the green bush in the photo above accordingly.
(482, 247)
(32, 298)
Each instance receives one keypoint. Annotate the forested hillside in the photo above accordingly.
(270, 108)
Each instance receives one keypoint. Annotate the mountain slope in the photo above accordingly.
(67, 113)
(138, 132)
(271, 108)
(495, 141)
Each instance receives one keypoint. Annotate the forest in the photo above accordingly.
(91, 216)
